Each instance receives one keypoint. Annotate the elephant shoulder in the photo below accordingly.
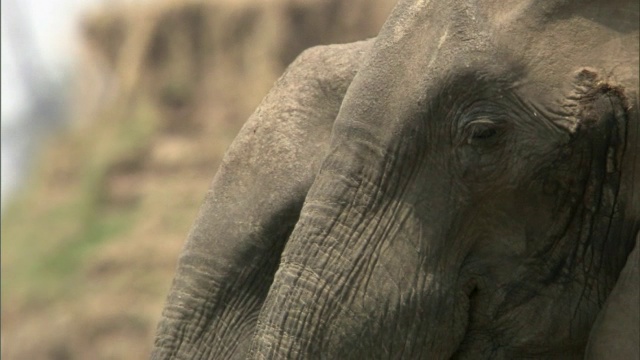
(313, 86)
(330, 67)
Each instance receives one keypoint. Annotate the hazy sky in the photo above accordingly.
(52, 24)
(50, 28)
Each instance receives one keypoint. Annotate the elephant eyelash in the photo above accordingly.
(481, 131)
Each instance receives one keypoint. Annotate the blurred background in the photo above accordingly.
(115, 115)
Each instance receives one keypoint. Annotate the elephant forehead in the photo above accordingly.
(536, 47)
(553, 51)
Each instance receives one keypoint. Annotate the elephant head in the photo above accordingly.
(463, 186)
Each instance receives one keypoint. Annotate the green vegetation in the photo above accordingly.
(52, 227)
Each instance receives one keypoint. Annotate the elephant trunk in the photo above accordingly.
(361, 276)
(216, 297)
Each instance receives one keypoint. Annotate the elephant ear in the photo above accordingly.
(233, 250)
(616, 332)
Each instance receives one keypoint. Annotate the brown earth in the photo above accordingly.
(89, 248)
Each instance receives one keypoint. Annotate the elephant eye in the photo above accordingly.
(481, 134)
(482, 131)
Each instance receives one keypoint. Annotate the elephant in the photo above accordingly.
(464, 185)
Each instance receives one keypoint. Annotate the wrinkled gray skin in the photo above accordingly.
(466, 185)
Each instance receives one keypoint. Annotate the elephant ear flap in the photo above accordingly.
(601, 117)
(599, 107)
(598, 110)
(597, 115)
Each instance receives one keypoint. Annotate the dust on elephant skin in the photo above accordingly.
(462, 186)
